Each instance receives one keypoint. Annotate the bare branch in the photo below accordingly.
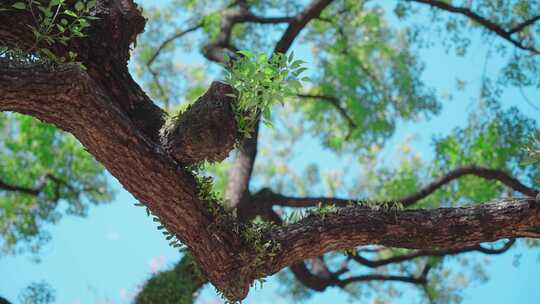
(334, 101)
(320, 283)
(383, 277)
(176, 35)
(486, 23)
(423, 253)
(313, 10)
(42, 182)
(268, 197)
(232, 16)
(486, 173)
(523, 25)
(14, 188)
(249, 17)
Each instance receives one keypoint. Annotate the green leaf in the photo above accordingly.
(79, 6)
(47, 12)
(19, 5)
(91, 4)
(247, 54)
(70, 13)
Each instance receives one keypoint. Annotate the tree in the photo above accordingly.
(66, 63)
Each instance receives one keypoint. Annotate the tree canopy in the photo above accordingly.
(207, 148)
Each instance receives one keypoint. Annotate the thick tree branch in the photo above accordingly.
(117, 123)
(442, 228)
(104, 52)
(206, 131)
(486, 23)
(4, 301)
(69, 98)
(320, 282)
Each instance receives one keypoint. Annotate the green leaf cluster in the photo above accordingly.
(175, 286)
(29, 150)
(37, 293)
(373, 71)
(56, 22)
(533, 150)
(261, 82)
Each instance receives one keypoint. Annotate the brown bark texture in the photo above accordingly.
(105, 109)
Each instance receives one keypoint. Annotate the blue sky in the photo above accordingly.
(105, 257)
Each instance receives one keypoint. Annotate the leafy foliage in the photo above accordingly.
(55, 23)
(373, 71)
(494, 138)
(533, 149)
(371, 63)
(177, 285)
(30, 151)
(37, 293)
(260, 82)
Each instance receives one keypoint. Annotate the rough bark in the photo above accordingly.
(69, 98)
(350, 227)
(118, 124)
(105, 53)
(206, 131)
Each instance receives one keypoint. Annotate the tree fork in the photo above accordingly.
(117, 123)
